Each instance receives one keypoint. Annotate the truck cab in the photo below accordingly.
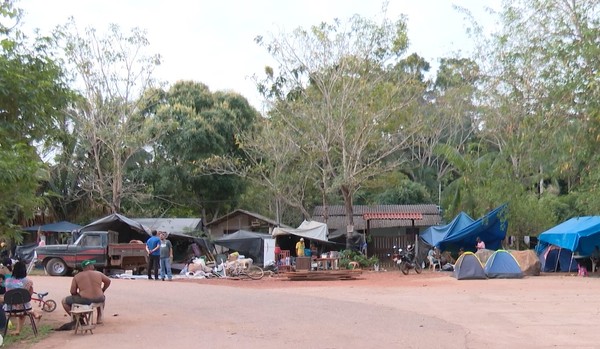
(92, 245)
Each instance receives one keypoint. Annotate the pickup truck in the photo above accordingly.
(101, 246)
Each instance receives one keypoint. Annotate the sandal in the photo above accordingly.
(14, 333)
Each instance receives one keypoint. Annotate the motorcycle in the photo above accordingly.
(405, 261)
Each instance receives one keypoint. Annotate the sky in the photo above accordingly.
(213, 41)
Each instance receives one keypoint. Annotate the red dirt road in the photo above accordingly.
(380, 310)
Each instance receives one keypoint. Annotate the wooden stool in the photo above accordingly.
(99, 307)
(83, 315)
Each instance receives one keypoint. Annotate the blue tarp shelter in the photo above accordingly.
(436, 234)
(579, 235)
(502, 265)
(58, 227)
(491, 228)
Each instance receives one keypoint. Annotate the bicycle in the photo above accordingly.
(253, 272)
(47, 305)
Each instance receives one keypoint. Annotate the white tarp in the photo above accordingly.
(308, 229)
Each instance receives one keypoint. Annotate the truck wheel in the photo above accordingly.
(56, 267)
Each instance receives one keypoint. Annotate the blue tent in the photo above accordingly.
(491, 228)
(579, 234)
(468, 267)
(555, 259)
(502, 264)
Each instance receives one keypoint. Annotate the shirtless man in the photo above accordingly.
(87, 287)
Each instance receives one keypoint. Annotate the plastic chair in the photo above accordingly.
(18, 302)
(434, 262)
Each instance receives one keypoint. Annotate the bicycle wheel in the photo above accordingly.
(255, 272)
(49, 306)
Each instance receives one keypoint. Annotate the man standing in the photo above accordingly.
(87, 287)
(300, 248)
(153, 249)
(166, 256)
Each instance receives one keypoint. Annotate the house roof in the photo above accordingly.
(380, 216)
(248, 213)
(172, 225)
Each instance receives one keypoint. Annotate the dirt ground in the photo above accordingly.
(379, 310)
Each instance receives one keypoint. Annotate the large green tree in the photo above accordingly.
(33, 95)
(194, 125)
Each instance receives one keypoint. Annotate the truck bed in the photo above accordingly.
(127, 256)
(127, 250)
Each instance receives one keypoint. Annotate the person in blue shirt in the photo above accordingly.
(153, 249)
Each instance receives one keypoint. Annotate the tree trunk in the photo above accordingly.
(346, 193)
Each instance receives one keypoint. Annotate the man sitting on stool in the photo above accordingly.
(87, 287)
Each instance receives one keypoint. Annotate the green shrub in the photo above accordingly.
(348, 256)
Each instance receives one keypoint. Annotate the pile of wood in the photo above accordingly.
(342, 274)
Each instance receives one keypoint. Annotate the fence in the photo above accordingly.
(382, 247)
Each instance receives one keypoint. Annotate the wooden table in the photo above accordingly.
(328, 263)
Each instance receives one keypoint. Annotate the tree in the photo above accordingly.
(33, 95)
(339, 92)
(448, 116)
(113, 73)
(195, 125)
(537, 108)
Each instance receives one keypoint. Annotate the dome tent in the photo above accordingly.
(502, 265)
(468, 267)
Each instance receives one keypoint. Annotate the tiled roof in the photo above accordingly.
(390, 215)
(430, 215)
(339, 210)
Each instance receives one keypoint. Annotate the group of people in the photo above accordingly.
(160, 256)
(434, 256)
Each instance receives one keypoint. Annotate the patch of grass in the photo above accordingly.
(26, 337)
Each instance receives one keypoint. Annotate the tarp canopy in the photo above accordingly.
(579, 235)
(308, 229)
(436, 234)
(58, 227)
(127, 228)
(247, 243)
(491, 228)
